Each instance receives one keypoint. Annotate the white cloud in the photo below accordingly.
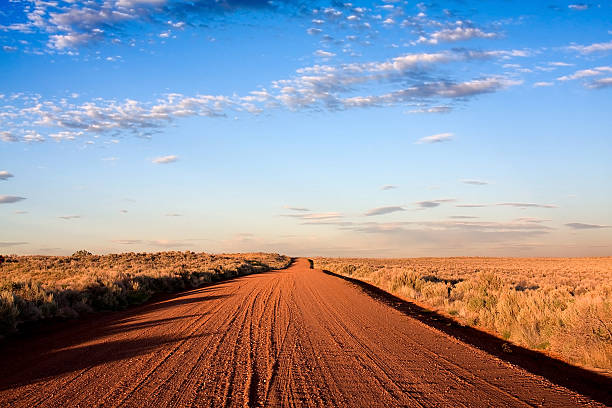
(7, 199)
(600, 83)
(32, 136)
(70, 24)
(543, 84)
(388, 187)
(433, 109)
(404, 78)
(579, 7)
(71, 40)
(437, 138)
(588, 49)
(324, 54)
(585, 73)
(5, 175)
(165, 159)
(7, 136)
(459, 33)
(559, 64)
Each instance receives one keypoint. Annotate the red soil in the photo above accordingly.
(294, 337)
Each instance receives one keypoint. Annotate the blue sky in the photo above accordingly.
(389, 128)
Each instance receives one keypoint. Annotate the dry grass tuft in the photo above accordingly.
(42, 287)
(562, 305)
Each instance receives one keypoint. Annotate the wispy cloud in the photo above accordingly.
(527, 205)
(433, 203)
(388, 187)
(589, 49)
(452, 231)
(383, 210)
(5, 175)
(7, 199)
(316, 216)
(462, 32)
(5, 244)
(300, 209)
(165, 243)
(70, 25)
(432, 109)
(162, 243)
(543, 84)
(600, 83)
(475, 182)
(8, 137)
(69, 217)
(437, 138)
(324, 54)
(174, 215)
(471, 205)
(578, 7)
(585, 73)
(165, 159)
(582, 226)
(407, 79)
(127, 241)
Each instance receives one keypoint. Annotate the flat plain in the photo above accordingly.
(288, 337)
(561, 306)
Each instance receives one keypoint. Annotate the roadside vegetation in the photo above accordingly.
(34, 288)
(561, 305)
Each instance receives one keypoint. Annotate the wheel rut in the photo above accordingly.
(289, 338)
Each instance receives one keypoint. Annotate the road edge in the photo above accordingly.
(580, 380)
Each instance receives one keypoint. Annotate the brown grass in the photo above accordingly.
(560, 305)
(42, 287)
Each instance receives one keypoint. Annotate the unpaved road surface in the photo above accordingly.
(295, 337)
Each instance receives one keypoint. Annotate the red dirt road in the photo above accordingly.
(295, 337)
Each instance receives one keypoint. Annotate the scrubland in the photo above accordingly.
(560, 305)
(42, 287)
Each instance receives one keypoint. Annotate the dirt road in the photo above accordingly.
(296, 337)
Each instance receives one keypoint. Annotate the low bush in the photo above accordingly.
(562, 305)
(33, 288)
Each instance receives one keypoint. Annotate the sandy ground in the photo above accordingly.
(295, 337)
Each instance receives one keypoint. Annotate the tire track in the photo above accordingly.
(291, 338)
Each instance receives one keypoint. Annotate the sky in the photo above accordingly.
(312, 128)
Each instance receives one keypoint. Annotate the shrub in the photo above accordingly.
(559, 304)
(42, 287)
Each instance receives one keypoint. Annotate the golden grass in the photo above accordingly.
(41, 287)
(561, 305)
